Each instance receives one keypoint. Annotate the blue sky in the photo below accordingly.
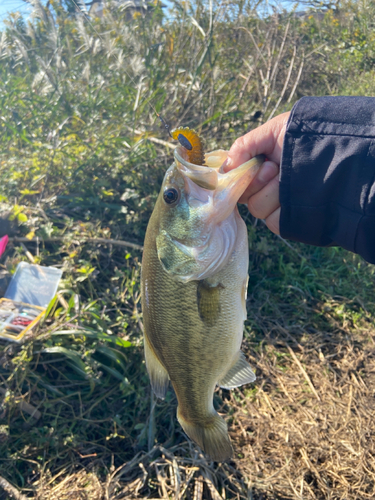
(11, 6)
(7, 6)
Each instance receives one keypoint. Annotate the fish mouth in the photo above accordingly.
(226, 188)
(204, 177)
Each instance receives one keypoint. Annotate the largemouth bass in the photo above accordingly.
(194, 285)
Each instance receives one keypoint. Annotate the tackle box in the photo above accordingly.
(26, 299)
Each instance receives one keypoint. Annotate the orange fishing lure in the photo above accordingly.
(191, 141)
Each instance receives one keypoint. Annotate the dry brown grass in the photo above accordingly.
(307, 432)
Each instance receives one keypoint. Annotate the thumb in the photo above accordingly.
(267, 139)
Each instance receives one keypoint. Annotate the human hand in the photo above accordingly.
(262, 194)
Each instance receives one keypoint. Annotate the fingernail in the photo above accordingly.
(267, 171)
(226, 164)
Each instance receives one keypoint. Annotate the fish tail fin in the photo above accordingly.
(212, 436)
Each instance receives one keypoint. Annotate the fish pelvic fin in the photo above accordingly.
(211, 435)
(158, 374)
(239, 374)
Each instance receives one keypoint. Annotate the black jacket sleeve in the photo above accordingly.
(327, 180)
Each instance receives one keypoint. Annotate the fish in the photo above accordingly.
(193, 288)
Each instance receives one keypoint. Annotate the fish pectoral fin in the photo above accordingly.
(239, 374)
(208, 300)
(158, 374)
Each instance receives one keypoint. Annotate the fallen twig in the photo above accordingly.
(163, 143)
(26, 407)
(104, 241)
(11, 490)
(28, 254)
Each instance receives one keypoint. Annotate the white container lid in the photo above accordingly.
(32, 284)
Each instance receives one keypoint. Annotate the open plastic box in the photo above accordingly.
(30, 291)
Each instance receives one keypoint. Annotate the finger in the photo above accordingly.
(266, 201)
(266, 173)
(266, 139)
(273, 221)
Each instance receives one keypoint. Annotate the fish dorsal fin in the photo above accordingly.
(239, 374)
(158, 374)
(208, 300)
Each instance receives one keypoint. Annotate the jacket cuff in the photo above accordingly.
(327, 189)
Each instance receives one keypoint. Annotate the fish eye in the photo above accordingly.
(170, 195)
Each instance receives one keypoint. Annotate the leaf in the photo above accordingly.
(50, 306)
(22, 218)
(28, 192)
(112, 371)
(95, 334)
(71, 303)
(59, 310)
(72, 355)
(30, 235)
(86, 270)
(196, 24)
(112, 354)
(46, 230)
(123, 343)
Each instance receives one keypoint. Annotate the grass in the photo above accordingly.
(80, 159)
(304, 429)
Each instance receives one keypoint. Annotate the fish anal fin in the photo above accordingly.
(239, 374)
(211, 435)
(158, 374)
(208, 300)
